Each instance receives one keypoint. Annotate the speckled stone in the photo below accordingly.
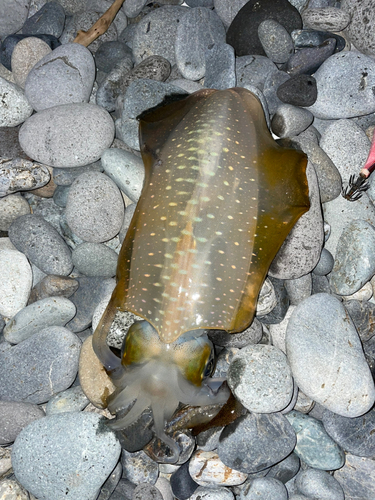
(14, 416)
(253, 70)
(15, 283)
(314, 446)
(326, 19)
(48, 20)
(21, 175)
(260, 378)
(42, 244)
(290, 120)
(114, 84)
(51, 355)
(64, 76)
(60, 136)
(326, 357)
(206, 468)
(299, 289)
(139, 468)
(275, 40)
(51, 311)
(25, 55)
(95, 207)
(40, 452)
(73, 399)
(13, 13)
(14, 106)
(220, 67)
(318, 483)
(361, 27)
(12, 207)
(95, 259)
(109, 54)
(299, 90)
(256, 441)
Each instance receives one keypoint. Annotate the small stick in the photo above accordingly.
(101, 25)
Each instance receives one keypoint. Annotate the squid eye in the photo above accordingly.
(210, 368)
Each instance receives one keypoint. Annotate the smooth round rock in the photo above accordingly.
(12, 207)
(253, 70)
(275, 40)
(73, 399)
(13, 14)
(14, 106)
(70, 135)
(326, 356)
(64, 76)
(206, 468)
(109, 54)
(198, 29)
(361, 27)
(314, 446)
(26, 54)
(256, 441)
(319, 483)
(40, 454)
(14, 416)
(9, 43)
(52, 311)
(262, 488)
(260, 378)
(341, 78)
(51, 356)
(126, 170)
(220, 67)
(42, 244)
(95, 259)
(290, 120)
(299, 289)
(48, 20)
(15, 283)
(299, 90)
(95, 208)
(325, 264)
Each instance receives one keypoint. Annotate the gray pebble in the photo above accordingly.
(326, 357)
(133, 7)
(188, 85)
(319, 483)
(64, 76)
(95, 259)
(308, 60)
(325, 264)
(251, 335)
(285, 469)
(362, 313)
(14, 106)
(275, 40)
(60, 196)
(253, 70)
(86, 298)
(227, 11)
(342, 90)
(95, 208)
(111, 482)
(145, 491)
(282, 302)
(290, 120)
(12, 207)
(72, 399)
(354, 264)
(51, 285)
(256, 441)
(21, 175)
(300, 251)
(12, 16)
(109, 54)
(139, 467)
(156, 33)
(299, 288)
(51, 355)
(126, 170)
(212, 493)
(271, 84)
(326, 19)
(25, 55)
(220, 67)
(66, 176)
(198, 29)
(260, 378)
(14, 416)
(264, 488)
(114, 84)
(92, 450)
(42, 244)
(360, 30)
(49, 20)
(357, 477)
(52, 311)
(70, 135)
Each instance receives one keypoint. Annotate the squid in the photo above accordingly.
(219, 198)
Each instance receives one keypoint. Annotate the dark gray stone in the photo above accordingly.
(313, 38)
(357, 478)
(325, 264)
(49, 20)
(14, 416)
(95, 259)
(42, 244)
(307, 61)
(220, 67)
(299, 90)
(362, 313)
(110, 484)
(183, 485)
(256, 441)
(253, 70)
(285, 469)
(318, 483)
(111, 53)
(290, 120)
(40, 366)
(271, 84)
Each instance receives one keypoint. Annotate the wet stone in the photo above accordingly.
(300, 90)
(363, 316)
(361, 27)
(276, 41)
(9, 144)
(21, 175)
(138, 467)
(183, 485)
(314, 446)
(256, 441)
(14, 416)
(307, 61)
(326, 18)
(66, 176)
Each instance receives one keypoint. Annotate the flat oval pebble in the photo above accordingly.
(260, 378)
(198, 29)
(326, 19)
(15, 283)
(156, 33)
(25, 55)
(52, 311)
(14, 106)
(51, 356)
(264, 488)
(319, 483)
(256, 441)
(300, 251)
(42, 244)
(95, 207)
(206, 468)
(126, 170)
(12, 16)
(73, 399)
(39, 456)
(70, 135)
(326, 357)
(341, 77)
(14, 416)
(275, 40)
(354, 265)
(64, 76)
(49, 19)
(314, 446)
(95, 259)
(357, 478)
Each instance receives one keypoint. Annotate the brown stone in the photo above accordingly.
(51, 285)
(47, 190)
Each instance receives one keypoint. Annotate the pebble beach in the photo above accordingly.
(71, 174)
